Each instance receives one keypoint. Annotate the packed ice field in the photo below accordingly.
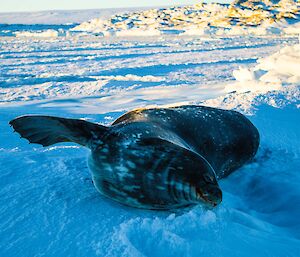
(49, 205)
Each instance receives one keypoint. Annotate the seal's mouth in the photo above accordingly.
(212, 197)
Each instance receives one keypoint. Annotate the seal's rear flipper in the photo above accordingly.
(47, 130)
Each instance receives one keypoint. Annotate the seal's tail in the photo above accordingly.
(47, 130)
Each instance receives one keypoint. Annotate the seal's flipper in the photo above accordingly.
(161, 149)
(47, 130)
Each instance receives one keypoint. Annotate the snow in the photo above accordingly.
(238, 18)
(137, 32)
(46, 33)
(48, 204)
(273, 72)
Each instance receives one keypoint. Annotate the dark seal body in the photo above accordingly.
(225, 138)
(160, 158)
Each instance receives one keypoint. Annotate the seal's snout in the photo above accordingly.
(215, 194)
(210, 195)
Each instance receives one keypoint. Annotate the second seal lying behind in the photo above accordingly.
(160, 158)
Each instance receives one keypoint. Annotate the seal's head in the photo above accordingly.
(208, 191)
(190, 176)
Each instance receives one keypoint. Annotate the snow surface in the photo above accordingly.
(46, 33)
(48, 204)
(252, 17)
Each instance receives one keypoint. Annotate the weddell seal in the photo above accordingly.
(159, 158)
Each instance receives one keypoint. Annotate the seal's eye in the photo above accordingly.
(208, 178)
